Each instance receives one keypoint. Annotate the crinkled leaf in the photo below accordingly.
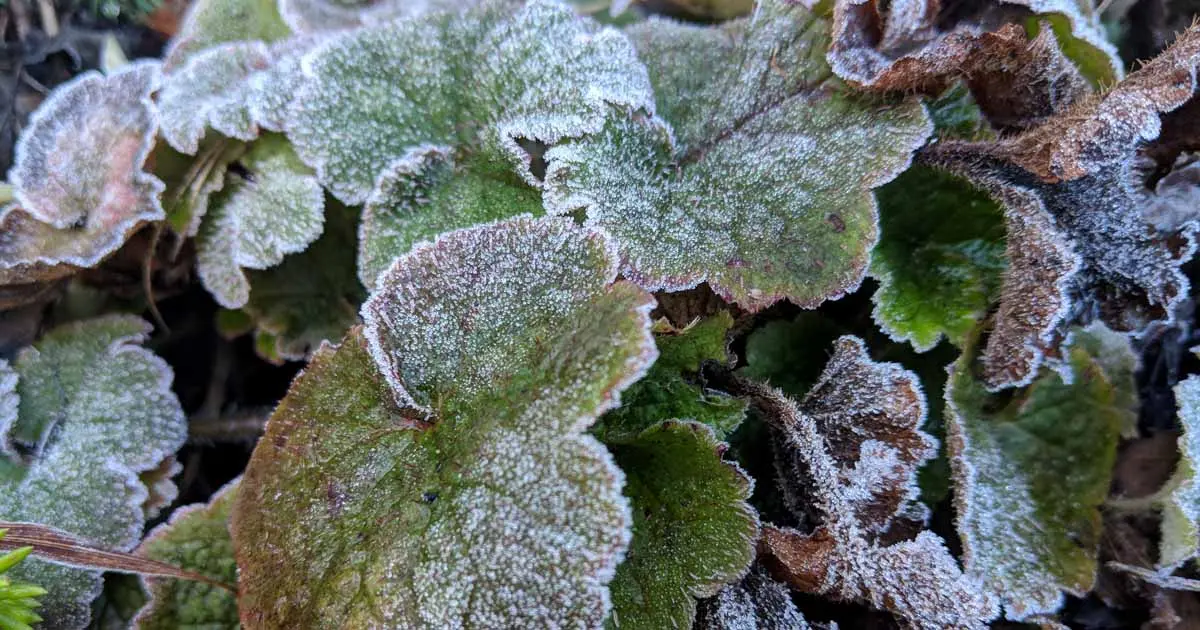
(1087, 236)
(1181, 510)
(1031, 472)
(197, 539)
(672, 389)
(211, 89)
(1018, 72)
(756, 602)
(693, 531)
(477, 501)
(757, 178)
(9, 402)
(309, 16)
(848, 457)
(310, 297)
(74, 208)
(210, 23)
(95, 411)
(940, 258)
(275, 208)
(376, 95)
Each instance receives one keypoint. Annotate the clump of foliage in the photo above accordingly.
(18, 600)
(796, 314)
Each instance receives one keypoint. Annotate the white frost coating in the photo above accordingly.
(312, 16)
(270, 91)
(278, 209)
(540, 72)
(97, 410)
(755, 603)
(1086, 27)
(1181, 510)
(211, 89)
(757, 177)
(10, 402)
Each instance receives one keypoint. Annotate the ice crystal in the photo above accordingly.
(275, 208)
(538, 73)
(1017, 77)
(693, 531)
(756, 603)
(848, 456)
(757, 177)
(477, 500)
(95, 411)
(1031, 473)
(72, 208)
(196, 539)
(1181, 509)
(1086, 239)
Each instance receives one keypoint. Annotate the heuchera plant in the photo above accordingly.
(547, 274)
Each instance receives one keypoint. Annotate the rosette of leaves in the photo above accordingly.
(1092, 231)
(72, 210)
(86, 412)
(756, 175)
(18, 600)
(197, 539)
(1032, 470)
(848, 455)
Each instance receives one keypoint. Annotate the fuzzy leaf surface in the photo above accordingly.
(757, 179)
(276, 208)
(443, 477)
(1181, 510)
(196, 539)
(372, 96)
(756, 602)
(73, 209)
(693, 531)
(95, 411)
(1030, 476)
(212, 22)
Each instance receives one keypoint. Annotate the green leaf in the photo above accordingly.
(210, 23)
(95, 411)
(790, 355)
(940, 258)
(310, 297)
(1180, 540)
(671, 388)
(1031, 472)
(477, 500)
(18, 600)
(73, 209)
(693, 531)
(757, 177)
(212, 90)
(308, 16)
(196, 539)
(275, 208)
(375, 95)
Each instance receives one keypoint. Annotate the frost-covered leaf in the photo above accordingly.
(191, 180)
(74, 209)
(477, 501)
(1018, 71)
(1031, 472)
(940, 258)
(1088, 237)
(309, 16)
(197, 539)
(757, 602)
(376, 95)
(9, 402)
(95, 411)
(274, 207)
(310, 297)
(671, 387)
(757, 178)
(1181, 510)
(848, 457)
(693, 531)
(213, 22)
(211, 89)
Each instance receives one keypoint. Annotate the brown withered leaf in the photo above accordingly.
(1017, 77)
(847, 458)
(1090, 237)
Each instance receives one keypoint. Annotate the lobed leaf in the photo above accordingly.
(275, 208)
(1031, 473)
(757, 177)
(537, 73)
(848, 457)
(211, 89)
(73, 210)
(95, 411)
(197, 539)
(756, 602)
(940, 258)
(1180, 540)
(693, 531)
(443, 478)
(1087, 238)
(210, 23)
